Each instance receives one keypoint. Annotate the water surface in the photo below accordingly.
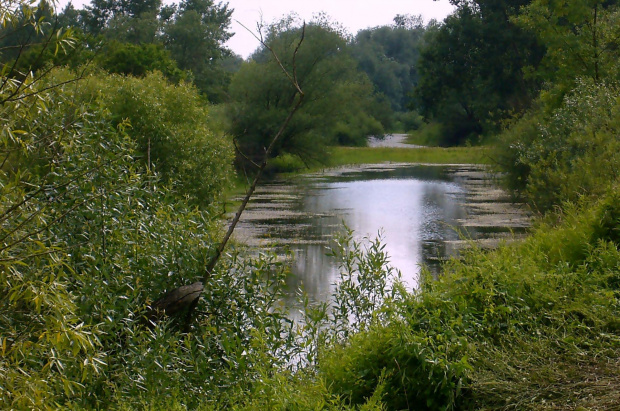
(424, 213)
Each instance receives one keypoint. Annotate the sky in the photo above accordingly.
(354, 15)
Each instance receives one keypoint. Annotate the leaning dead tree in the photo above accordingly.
(183, 300)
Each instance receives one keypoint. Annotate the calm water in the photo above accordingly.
(422, 212)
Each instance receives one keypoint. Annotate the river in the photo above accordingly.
(425, 213)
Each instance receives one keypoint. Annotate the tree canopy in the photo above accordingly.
(473, 69)
(337, 97)
(389, 56)
(183, 41)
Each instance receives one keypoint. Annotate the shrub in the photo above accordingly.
(525, 326)
(568, 152)
(171, 127)
(88, 239)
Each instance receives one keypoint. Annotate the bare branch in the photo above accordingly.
(244, 203)
(291, 77)
(188, 295)
(249, 160)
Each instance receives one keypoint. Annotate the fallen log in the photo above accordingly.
(177, 301)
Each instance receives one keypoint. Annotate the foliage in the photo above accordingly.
(100, 14)
(389, 56)
(521, 327)
(580, 37)
(135, 37)
(88, 239)
(138, 60)
(471, 70)
(91, 232)
(49, 351)
(170, 124)
(28, 36)
(337, 98)
(568, 152)
(195, 36)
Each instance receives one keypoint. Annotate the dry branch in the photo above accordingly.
(187, 296)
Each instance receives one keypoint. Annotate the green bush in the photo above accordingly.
(520, 327)
(171, 127)
(428, 134)
(88, 239)
(407, 121)
(138, 60)
(568, 152)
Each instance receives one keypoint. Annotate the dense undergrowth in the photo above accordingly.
(109, 195)
(561, 152)
(528, 326)
(90, 236)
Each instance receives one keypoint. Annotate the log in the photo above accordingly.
(176, 301)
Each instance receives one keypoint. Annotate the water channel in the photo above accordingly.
(425, 213)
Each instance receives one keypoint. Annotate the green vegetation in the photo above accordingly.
(472, 69)
(525, 326)
(430, 155)
(389, 56)
(111, 182)
(337, 103)
(346, 156)
(184, 41)
(561, 154)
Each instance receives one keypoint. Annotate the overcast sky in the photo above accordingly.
(352, 14)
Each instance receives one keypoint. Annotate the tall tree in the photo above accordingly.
(195, 35)
(337, 97)
(472, 68)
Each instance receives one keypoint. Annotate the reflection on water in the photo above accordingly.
(420, 211)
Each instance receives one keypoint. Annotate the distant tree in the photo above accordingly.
(195, 35)
(131, 35)
(472, 69)
(100, 13)
(389, 56)
(138, 60)
(337, 97)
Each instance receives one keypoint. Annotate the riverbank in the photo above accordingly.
(531, 325)
(351, 156)
(423, 155)
(528, 326)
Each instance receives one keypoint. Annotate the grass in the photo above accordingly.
(428, 155)
(426, 135)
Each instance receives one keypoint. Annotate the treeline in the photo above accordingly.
(184, 41)
(491, 62)
(358, 86)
